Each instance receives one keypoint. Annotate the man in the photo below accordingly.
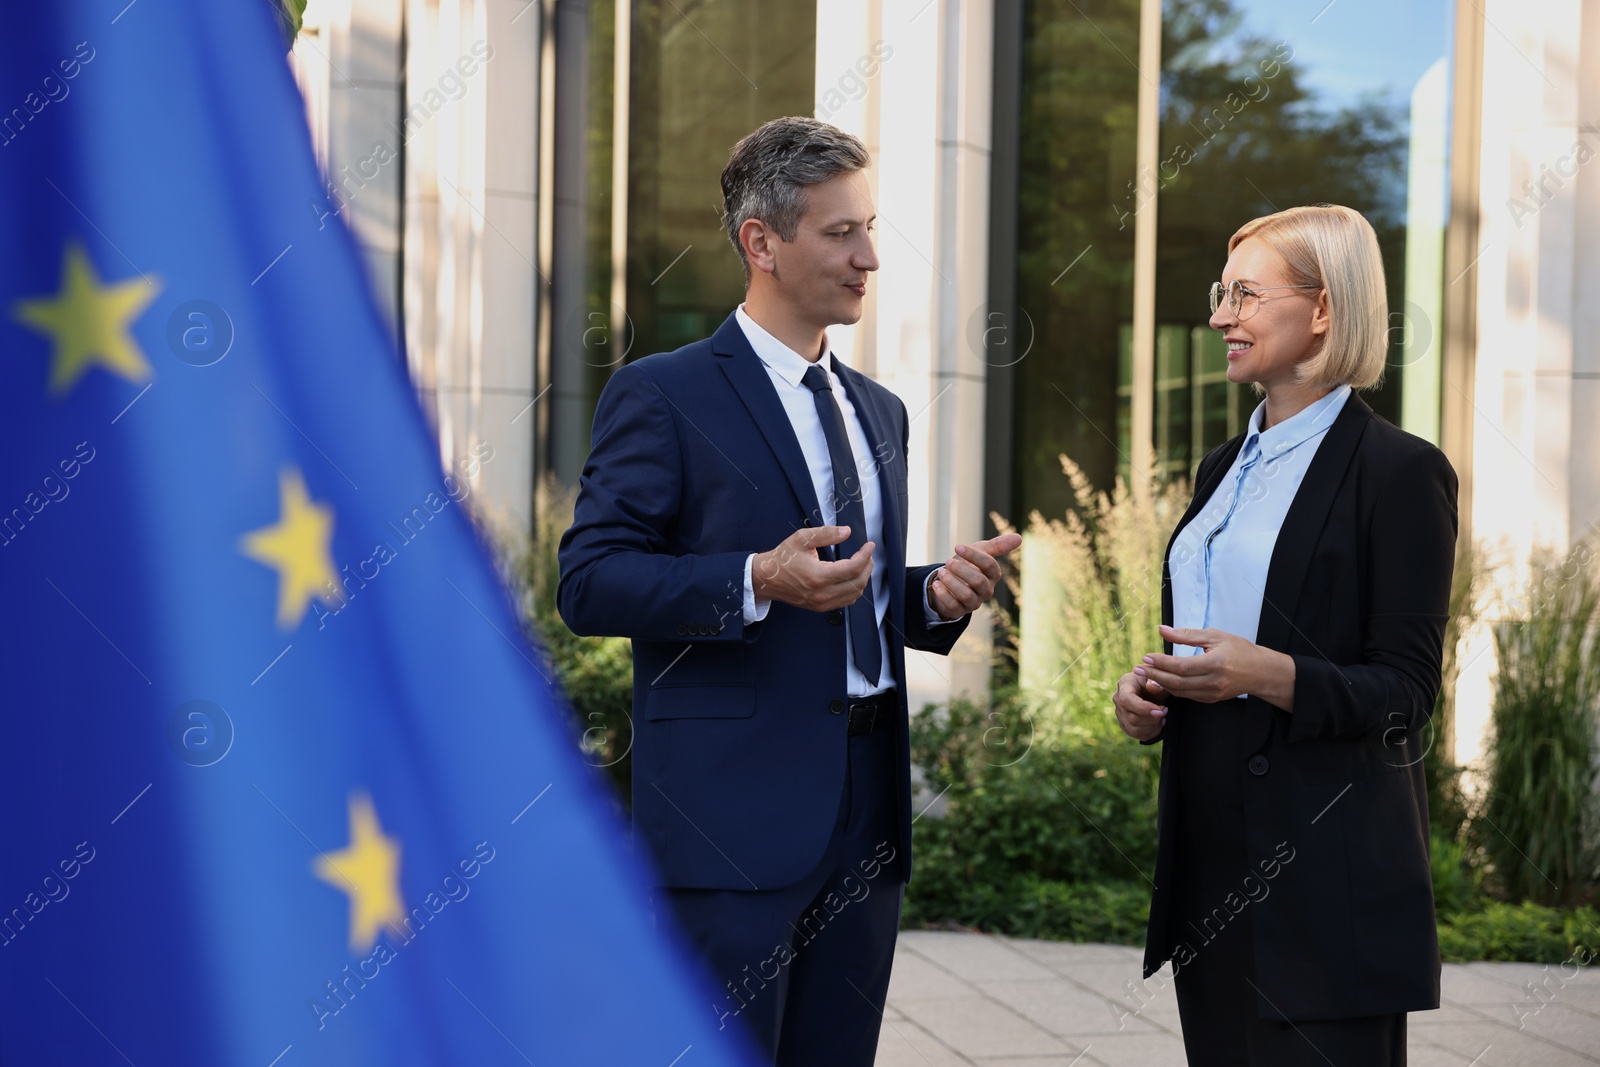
(742, 517)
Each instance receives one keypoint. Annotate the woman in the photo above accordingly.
(1305, 591)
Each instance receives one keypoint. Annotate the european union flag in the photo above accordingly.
(228, 834)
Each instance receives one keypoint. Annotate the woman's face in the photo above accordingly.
(1273, 332)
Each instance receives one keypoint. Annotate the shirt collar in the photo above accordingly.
(790, 365)
(1305, 424)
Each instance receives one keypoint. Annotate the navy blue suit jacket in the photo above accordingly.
(739, 733)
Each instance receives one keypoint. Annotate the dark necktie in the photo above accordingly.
(848, 511)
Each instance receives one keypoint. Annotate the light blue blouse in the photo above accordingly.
(1219, 561)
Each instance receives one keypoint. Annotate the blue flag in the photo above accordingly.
(280, 783)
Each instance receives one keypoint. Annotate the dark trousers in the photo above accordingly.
(805, 969)
(1218, 1001)
(1222, 1025)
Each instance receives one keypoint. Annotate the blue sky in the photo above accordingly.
(1355, 46)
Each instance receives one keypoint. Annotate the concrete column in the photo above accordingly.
(508, 294)
(1536, 446)
(1584, 457)
(470, 223)
(423, 115)
(913, 79)
(347, 60)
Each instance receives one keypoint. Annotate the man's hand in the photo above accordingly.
(794, 574)
(967, 580)
(1140, 705)
(1230, 667)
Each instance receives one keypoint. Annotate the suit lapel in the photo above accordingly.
(749, 378)
(1202, 493)
(876, 425)
(880, 439)
(1291, 554)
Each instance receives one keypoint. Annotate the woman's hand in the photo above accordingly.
(1230, 667)
(1140, 706)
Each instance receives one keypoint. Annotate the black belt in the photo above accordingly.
(876, 712)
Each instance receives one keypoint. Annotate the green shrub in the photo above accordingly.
(1069, 812)
(594, 673)
(955, 744)
(596, 676)
(1449, 809)
(1049, 837)
(1111, 912)
(1526, 932)
(1541, 807)
(1449, 805)
(1050, 829)
(1457, 883)
(1089, 594)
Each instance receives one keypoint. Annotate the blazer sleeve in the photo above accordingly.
(919, 635)
(939, 640)
(621, 574)
(1410, 557)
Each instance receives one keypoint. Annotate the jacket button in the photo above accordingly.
(682, 629)
(836, 617)
(836, 706)
(1258, 765)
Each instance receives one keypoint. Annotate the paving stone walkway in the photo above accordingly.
(964, 999)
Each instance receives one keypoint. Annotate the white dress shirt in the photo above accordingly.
(1219, 561)
(786, 368)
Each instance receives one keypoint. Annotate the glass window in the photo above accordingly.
(1264, 109)
(1074, 271)
(585, 320)
(701, 74)
(704, 75)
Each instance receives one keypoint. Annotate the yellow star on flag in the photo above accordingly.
(298, 547)
(89, 322)
(369, 871)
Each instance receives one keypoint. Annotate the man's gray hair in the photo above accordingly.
(769, 169)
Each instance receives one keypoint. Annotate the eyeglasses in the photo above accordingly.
(1244, 302)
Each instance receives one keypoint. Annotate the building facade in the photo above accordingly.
(534, 184)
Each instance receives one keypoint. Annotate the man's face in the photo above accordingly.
(822, 274)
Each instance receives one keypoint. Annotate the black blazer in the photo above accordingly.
(1358, 592)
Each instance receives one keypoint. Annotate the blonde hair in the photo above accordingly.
(1335, 249)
